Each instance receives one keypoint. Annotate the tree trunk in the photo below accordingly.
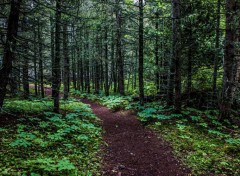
(74, 67)
(35, 64)
(66, 68)
(217, 50)
(87, 69)
(175, 66)
(56, 81)
(40, 59)
(52, 42)
(140, 67)
(12, 30)
(176, 55)
(228, 75)
(156, 52)
(106, 64)
(25, 79)
(189, 66)
(113, 65)
(120, 60)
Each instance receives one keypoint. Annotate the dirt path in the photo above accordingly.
(133, 149)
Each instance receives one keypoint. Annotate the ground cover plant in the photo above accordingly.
(113, 102)
(44, 143)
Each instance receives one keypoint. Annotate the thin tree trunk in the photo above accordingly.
(35, 64)
(52, 42)
(141, 43)
(87, 66)
(157, 52)
(216, 58)
(120, 60)
(189, 66)
(177, 57)
(106, 64)
(113, 65)
(74, 69)
(40, 60)
(66, 68)
(25, 79)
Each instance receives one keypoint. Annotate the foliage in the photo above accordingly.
(112, 102)
(201, 78)
(115, 102)
(51, 144)
(204, 153)
(26, 106)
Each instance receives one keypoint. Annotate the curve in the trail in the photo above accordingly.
(133, 149)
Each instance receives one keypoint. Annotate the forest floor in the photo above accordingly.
(132, 149)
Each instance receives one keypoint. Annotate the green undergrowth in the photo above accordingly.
(205, 153)
(44, 143)
(197, 137)
(112, 102)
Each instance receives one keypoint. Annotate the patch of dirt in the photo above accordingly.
(6, 119)
(132, 149)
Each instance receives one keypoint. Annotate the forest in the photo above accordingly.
(119, 87)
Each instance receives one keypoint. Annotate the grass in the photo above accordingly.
(45, 143)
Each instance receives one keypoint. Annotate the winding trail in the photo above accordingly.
(133, 150)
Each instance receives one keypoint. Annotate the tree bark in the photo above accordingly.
(52, 41)
(66, 71)
(156, 52)
(141, 43)
(216, 57)
(189, 66)
(106, 63)
(229, 54)
(176, 53)
(120, 60)
(56, 81)
(40, 53)
(35, 64)
(25, 79)
(12, 30)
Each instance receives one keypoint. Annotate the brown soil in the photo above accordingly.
(7, 119)
(132, 149)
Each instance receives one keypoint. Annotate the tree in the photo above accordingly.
(40, 53)
(106, 62)
(216, 58)
(175, 66)
(9, 48)
(56, 75)
(120, 60)
(66, 71)
(141, 43)
(229, 55)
